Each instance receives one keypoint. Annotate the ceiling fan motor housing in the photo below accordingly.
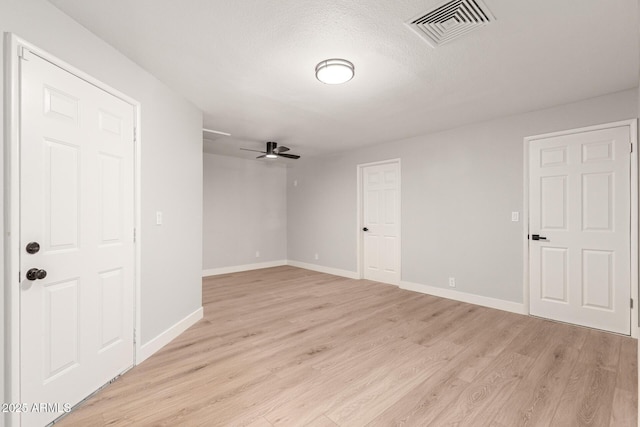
(273, 151)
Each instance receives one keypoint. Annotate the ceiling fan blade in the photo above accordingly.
(289, 156)
(282, 149)
(261, 157)
(257, 151)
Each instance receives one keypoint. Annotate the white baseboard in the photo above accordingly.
(244, 267)
(323, 269)
(499, 304)
(167, 336)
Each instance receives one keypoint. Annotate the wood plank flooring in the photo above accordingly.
(290, 347)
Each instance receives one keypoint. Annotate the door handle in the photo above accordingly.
(36, 273)
(537, 237)
(365, 229)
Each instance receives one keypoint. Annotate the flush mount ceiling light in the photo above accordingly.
(335, 71)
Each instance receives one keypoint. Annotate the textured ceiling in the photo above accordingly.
(249, 65)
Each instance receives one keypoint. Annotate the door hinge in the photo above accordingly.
(134, 235)
(134, 335)
(22, 53)
(631, 147)
(135, 134)
(631, 302)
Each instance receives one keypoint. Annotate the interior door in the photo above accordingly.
(580, 228)
(76, 237)
(381, 222)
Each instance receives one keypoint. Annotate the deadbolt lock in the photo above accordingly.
(33, 247)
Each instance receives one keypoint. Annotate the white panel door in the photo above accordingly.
(580, 206)
(381, 222)
(76, 192)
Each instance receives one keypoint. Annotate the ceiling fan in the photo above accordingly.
(273, 152)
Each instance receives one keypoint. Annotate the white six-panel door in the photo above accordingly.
(76, 192)
(381, 219)
(579, 199)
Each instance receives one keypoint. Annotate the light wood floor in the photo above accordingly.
(291, 347)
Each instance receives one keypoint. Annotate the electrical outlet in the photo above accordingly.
(452, 282)
(317, 257)
(158, 218)
(257, 254)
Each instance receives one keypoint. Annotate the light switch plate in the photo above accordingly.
(158, 218)
(515, 216)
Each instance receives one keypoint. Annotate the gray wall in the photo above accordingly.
(171, 160)
(459, 188)
(244, 211)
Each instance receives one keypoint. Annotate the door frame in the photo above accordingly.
(13, 48)
(632, 124)
(360, 214)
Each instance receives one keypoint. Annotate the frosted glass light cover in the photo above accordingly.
(335, 71)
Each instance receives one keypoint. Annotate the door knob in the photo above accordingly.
(365, 229)
(36, 273)
(33, 247)
(537, 237)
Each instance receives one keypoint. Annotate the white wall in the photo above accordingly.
(171, 160)
(244, 211)
(459, 188)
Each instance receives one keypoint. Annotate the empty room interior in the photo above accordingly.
(320, 213)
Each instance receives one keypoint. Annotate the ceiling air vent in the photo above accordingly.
(451, 20)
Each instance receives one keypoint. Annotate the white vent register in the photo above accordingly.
(450, 20)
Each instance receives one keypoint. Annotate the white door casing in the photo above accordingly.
(579, 200)
(381, 219)
(77, 202)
